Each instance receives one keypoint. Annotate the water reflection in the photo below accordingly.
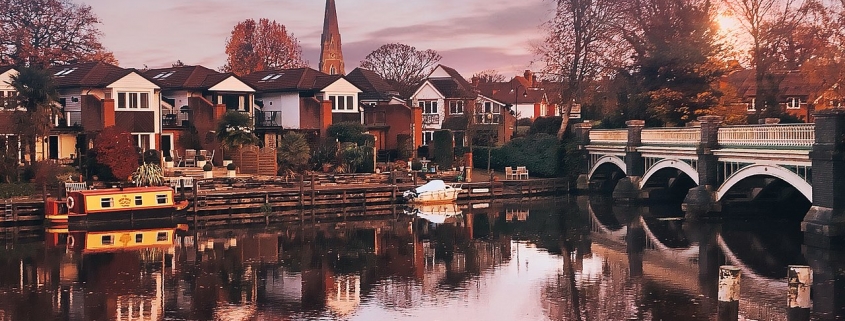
(552, 260)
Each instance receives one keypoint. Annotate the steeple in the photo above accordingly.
(331, 55)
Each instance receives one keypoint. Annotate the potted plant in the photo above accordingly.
(227, 161)
(201, 161)
(168, 162)
(230, 170)
(206, 171)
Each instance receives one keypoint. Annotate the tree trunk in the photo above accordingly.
(564, 120)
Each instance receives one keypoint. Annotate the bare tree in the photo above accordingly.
(767, 22)
(46, 32)
(402, 65)
(580, 37)
(256, 46)
(488, 76)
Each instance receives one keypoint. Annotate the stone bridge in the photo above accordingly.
(784, 167)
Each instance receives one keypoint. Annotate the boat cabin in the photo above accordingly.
(118, 200)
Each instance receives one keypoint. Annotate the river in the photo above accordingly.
(572, 258)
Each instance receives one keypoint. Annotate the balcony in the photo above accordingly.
(488, 119)
(181, 119)
(375, 119)
(430, 119)
(268, 119)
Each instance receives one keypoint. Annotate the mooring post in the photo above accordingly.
(729, 279)
(301, 189)
(799, 281)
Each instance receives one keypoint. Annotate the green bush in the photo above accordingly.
(546, 125)
(541, 154)
(17, 189)
(207, 167)
(442, 151)
(231, 166)
(346, 132)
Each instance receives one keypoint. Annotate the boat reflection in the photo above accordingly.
(436, 213)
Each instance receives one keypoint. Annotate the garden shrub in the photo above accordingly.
(442, 151)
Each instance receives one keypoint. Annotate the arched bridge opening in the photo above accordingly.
(769, 190)
(605, 173)
(668, 181)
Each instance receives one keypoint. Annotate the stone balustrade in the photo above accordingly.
(770, 136)
(690, 136)
(609, 136)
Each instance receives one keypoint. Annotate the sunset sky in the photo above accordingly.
(471, 35)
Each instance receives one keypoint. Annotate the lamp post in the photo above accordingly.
(516, 105)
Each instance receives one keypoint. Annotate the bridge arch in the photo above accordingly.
(670, 163)
(766, 170)
(609, 160)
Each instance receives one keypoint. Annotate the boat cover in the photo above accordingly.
(435, 185)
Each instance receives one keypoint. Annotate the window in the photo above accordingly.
(65, 72)
(133, 100)
(161, 198)
(342, 102)
(139, 238)
(107, 240)
(428, 106)
(751, 106)
(139, 200)
(162, 236)
(456, 107)
(428, 136)
(106, 202)
(793, 103)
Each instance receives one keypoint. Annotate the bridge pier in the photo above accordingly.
(824, 224)
(582, 135)
(701, 199)
(628, 188)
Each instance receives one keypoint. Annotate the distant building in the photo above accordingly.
(331, 53)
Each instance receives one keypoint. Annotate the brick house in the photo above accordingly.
(448, 101)
(196, 98)
(386, 116)
(302, 99)
(796, 93)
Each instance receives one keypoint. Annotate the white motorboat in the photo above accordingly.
(436, 191)
(435, 213)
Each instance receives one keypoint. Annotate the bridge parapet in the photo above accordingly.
(609, 136)
(682, 136)
(792, 136)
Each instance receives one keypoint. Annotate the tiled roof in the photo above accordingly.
(504, 92)
(373, 87)
(299, 79)
(186, 77)
(90, 74)
(455, 86)
(6, 68)
(790, 83)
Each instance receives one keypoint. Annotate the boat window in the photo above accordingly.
(161, 198)
(139, 238)
(162, 236)
(106, 202)
(107, 240)
(138, 200)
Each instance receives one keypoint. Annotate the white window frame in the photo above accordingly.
(133, 100)
(427, 137)
(456, 107)
(751, 106)
(345, 103)
(429, 107)
(793, 103)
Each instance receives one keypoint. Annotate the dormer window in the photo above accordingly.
(793, 103)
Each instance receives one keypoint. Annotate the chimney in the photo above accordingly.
(529, 76)
(475, 81)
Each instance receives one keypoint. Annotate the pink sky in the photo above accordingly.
(471, 35)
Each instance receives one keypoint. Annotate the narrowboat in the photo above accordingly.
(115, 204)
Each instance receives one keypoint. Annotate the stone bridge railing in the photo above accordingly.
(797, 136)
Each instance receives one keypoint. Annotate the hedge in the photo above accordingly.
(541, 154)
(442, 152)
(16, 189)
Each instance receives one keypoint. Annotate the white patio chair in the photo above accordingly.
(522, 171)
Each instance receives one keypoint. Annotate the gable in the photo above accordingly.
(133, 80)
(232, 84)
(427, 91)
(439, 72)
(6, 78)
(341, 85)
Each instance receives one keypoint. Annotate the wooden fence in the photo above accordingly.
(254, 161)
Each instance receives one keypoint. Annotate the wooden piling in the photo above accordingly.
(799, 281)
(729, 283)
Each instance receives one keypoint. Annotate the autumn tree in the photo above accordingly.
(402, 65)
(47, 32)
(263, 45)
(675, 47)
(116, 149)
(580, 39)
(488, 76)
(37, 99)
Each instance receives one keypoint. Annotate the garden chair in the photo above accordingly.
(177, 160)
(191, 157)
(510, 173)
(522, 171)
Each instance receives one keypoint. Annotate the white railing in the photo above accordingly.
(785, 135)
(609, 136)
(671, 136)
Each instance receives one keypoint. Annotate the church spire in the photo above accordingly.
(331, 55)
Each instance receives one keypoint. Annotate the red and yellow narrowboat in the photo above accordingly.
(115, 204)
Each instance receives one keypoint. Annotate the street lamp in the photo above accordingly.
(515, 91)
